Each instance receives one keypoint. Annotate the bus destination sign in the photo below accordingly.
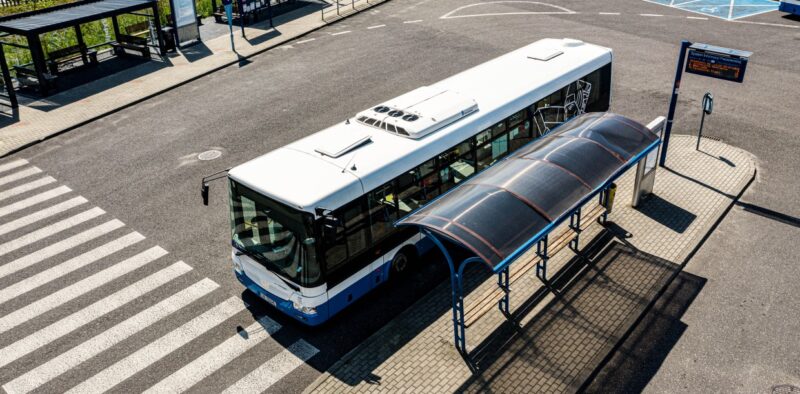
(717, 62)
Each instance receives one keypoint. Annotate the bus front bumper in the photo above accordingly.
(285, 306)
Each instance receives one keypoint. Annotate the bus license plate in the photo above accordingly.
(267, 299)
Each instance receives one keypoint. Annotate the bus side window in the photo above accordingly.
(336, 249)
(355, 224)
(407, 192)
(382, 211)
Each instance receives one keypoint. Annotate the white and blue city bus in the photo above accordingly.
(790, 6)
(312, 222)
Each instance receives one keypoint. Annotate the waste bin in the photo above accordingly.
(168, 35)
(608, 197)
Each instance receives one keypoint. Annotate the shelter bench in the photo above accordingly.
(488, 300)
(27, 77)
(139, 29)
(133, 43)
(68, 55)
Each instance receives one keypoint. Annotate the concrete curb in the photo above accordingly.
(192, 79)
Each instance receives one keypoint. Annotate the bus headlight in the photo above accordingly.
(304, 309)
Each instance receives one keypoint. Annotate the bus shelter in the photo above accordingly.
(515, 204)
(32, 24)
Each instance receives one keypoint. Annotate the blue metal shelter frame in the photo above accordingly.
(533, 191)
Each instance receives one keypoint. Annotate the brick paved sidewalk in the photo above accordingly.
(415, 353)
(98, 98)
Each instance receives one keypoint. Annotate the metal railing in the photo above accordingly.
(339, 8)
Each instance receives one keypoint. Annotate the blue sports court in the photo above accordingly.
(724, 9)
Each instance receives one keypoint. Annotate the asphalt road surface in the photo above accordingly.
(126, 282)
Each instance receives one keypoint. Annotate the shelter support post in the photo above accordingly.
(157, 20)
(541, 265)
(81, 44)
(502, 283)
(37, 55)
(115, 24)
(673, 103)
(459, 327)
(575, 225)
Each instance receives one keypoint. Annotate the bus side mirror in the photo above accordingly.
(204, 193)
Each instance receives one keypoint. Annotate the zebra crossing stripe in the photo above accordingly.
(159, 348)
(39, 215)
(26, 187)
(30, 201)
(17, 289)
(12, 165)
(203, 366)
(19, 175)
(79, 288)
(92, 312)
(274, 369)
(58, 247)
(72, 358)
(52, 229)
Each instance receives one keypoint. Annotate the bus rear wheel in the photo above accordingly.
(401, 263)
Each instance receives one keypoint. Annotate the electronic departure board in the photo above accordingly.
(717, 62)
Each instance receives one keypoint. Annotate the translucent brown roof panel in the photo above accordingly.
(508, 207)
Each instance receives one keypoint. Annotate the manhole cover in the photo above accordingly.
(209, 155)
(785, 389)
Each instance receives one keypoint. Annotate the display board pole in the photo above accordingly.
(674, 101)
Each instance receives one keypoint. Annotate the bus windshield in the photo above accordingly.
(277, 236)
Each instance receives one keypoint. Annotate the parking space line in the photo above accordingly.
(608, 13)
(375, 27)
(697, 17)
(341, 32)
(414, 21)
(305, 41)
(651, 15)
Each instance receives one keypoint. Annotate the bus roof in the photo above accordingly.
(324, 169)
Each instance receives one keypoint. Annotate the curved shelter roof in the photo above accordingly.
(506, 208)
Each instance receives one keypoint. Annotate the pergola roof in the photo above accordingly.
(59, 17)
(517, 201)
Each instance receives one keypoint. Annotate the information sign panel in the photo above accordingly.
(717, 62)
(185, 18)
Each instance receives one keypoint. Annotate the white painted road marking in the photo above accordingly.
(50, 230)
(697, 17)
(561, 10)
(224, 353)
(30, 201)
(274, 369)
(608, 13)
(39, 215)
(12, 165)
(160, 348)
(78, 289)
(375, 27)
(341, 32)
(103, 341)
(305, 41)
(49, 275)
(651, 15)
(26, 187)
(414, 21)
(19, 175)
(58, 247)
(92, 312)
